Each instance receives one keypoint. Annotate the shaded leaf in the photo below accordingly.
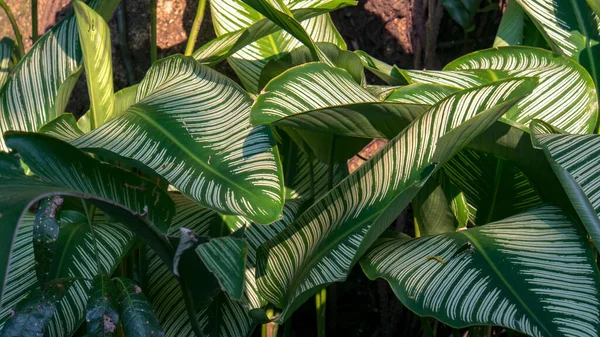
(136, 313)
(225, 257)
(45, 234)
(102, 311)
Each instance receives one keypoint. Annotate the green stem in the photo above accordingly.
(153, 53)
(89, 212)
(15, 27)
(34, 20)
(426, 327)
(321, 303)
(189, 48)
(270, 329)
(189, 306)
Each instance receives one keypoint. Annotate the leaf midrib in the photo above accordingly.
(492, 265)
(181, 146)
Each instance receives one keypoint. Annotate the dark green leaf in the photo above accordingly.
(102, 311)
(137, 317)
(225, 257)
(45, 234)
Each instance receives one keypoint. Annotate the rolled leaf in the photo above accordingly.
(7, 47)
(328, 239)
(94, 36)
(45, 234)
(200, 140)
(528, 273)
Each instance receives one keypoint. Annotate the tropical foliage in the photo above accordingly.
(191, 205)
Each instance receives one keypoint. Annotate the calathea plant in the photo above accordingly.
(190, 205)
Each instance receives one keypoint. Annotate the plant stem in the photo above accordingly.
(15, 27)
(189, 306)
(153, 53)
(426, 327)
(270, 329)
(34, 20)
(321, 303)
(189, 48)
(123, 45)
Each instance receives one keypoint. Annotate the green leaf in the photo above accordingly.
(32, 314)
(595, 5)
(238, 25)
(94, 36)
(30, 98)
(322, 245)
(419, 93)
(226, 258)
(164, 291)
(462, 11)
(136, 313)
(235, 35)
(569, 27)
(574, 160)
(66, 171)
(317, 97)
(45, 234)
(577, 90)
(432, 209)
(533, 272)
(510, 32)
(125, 98)
(384, 71)
(102, 310)
(76, 256)
(7, 47)
(63, 127)
(199, 140)
(494, 188)
(340, 58)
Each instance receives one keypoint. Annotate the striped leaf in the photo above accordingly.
(94, 36)
(226, 258)
(322, 245)
(69, 172)
(420, 93)
(564, 84)
(494, 188)
(241, 22)
(199, 140)
(248, 30)
(7, 47)
(102, 311)
(317, 97)
(32, 314)
(76, 249)
(222, 316)
(137, 317)
(38, 89)
(533, 272)
(63, 127)
(569, 27)
(574, 159)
